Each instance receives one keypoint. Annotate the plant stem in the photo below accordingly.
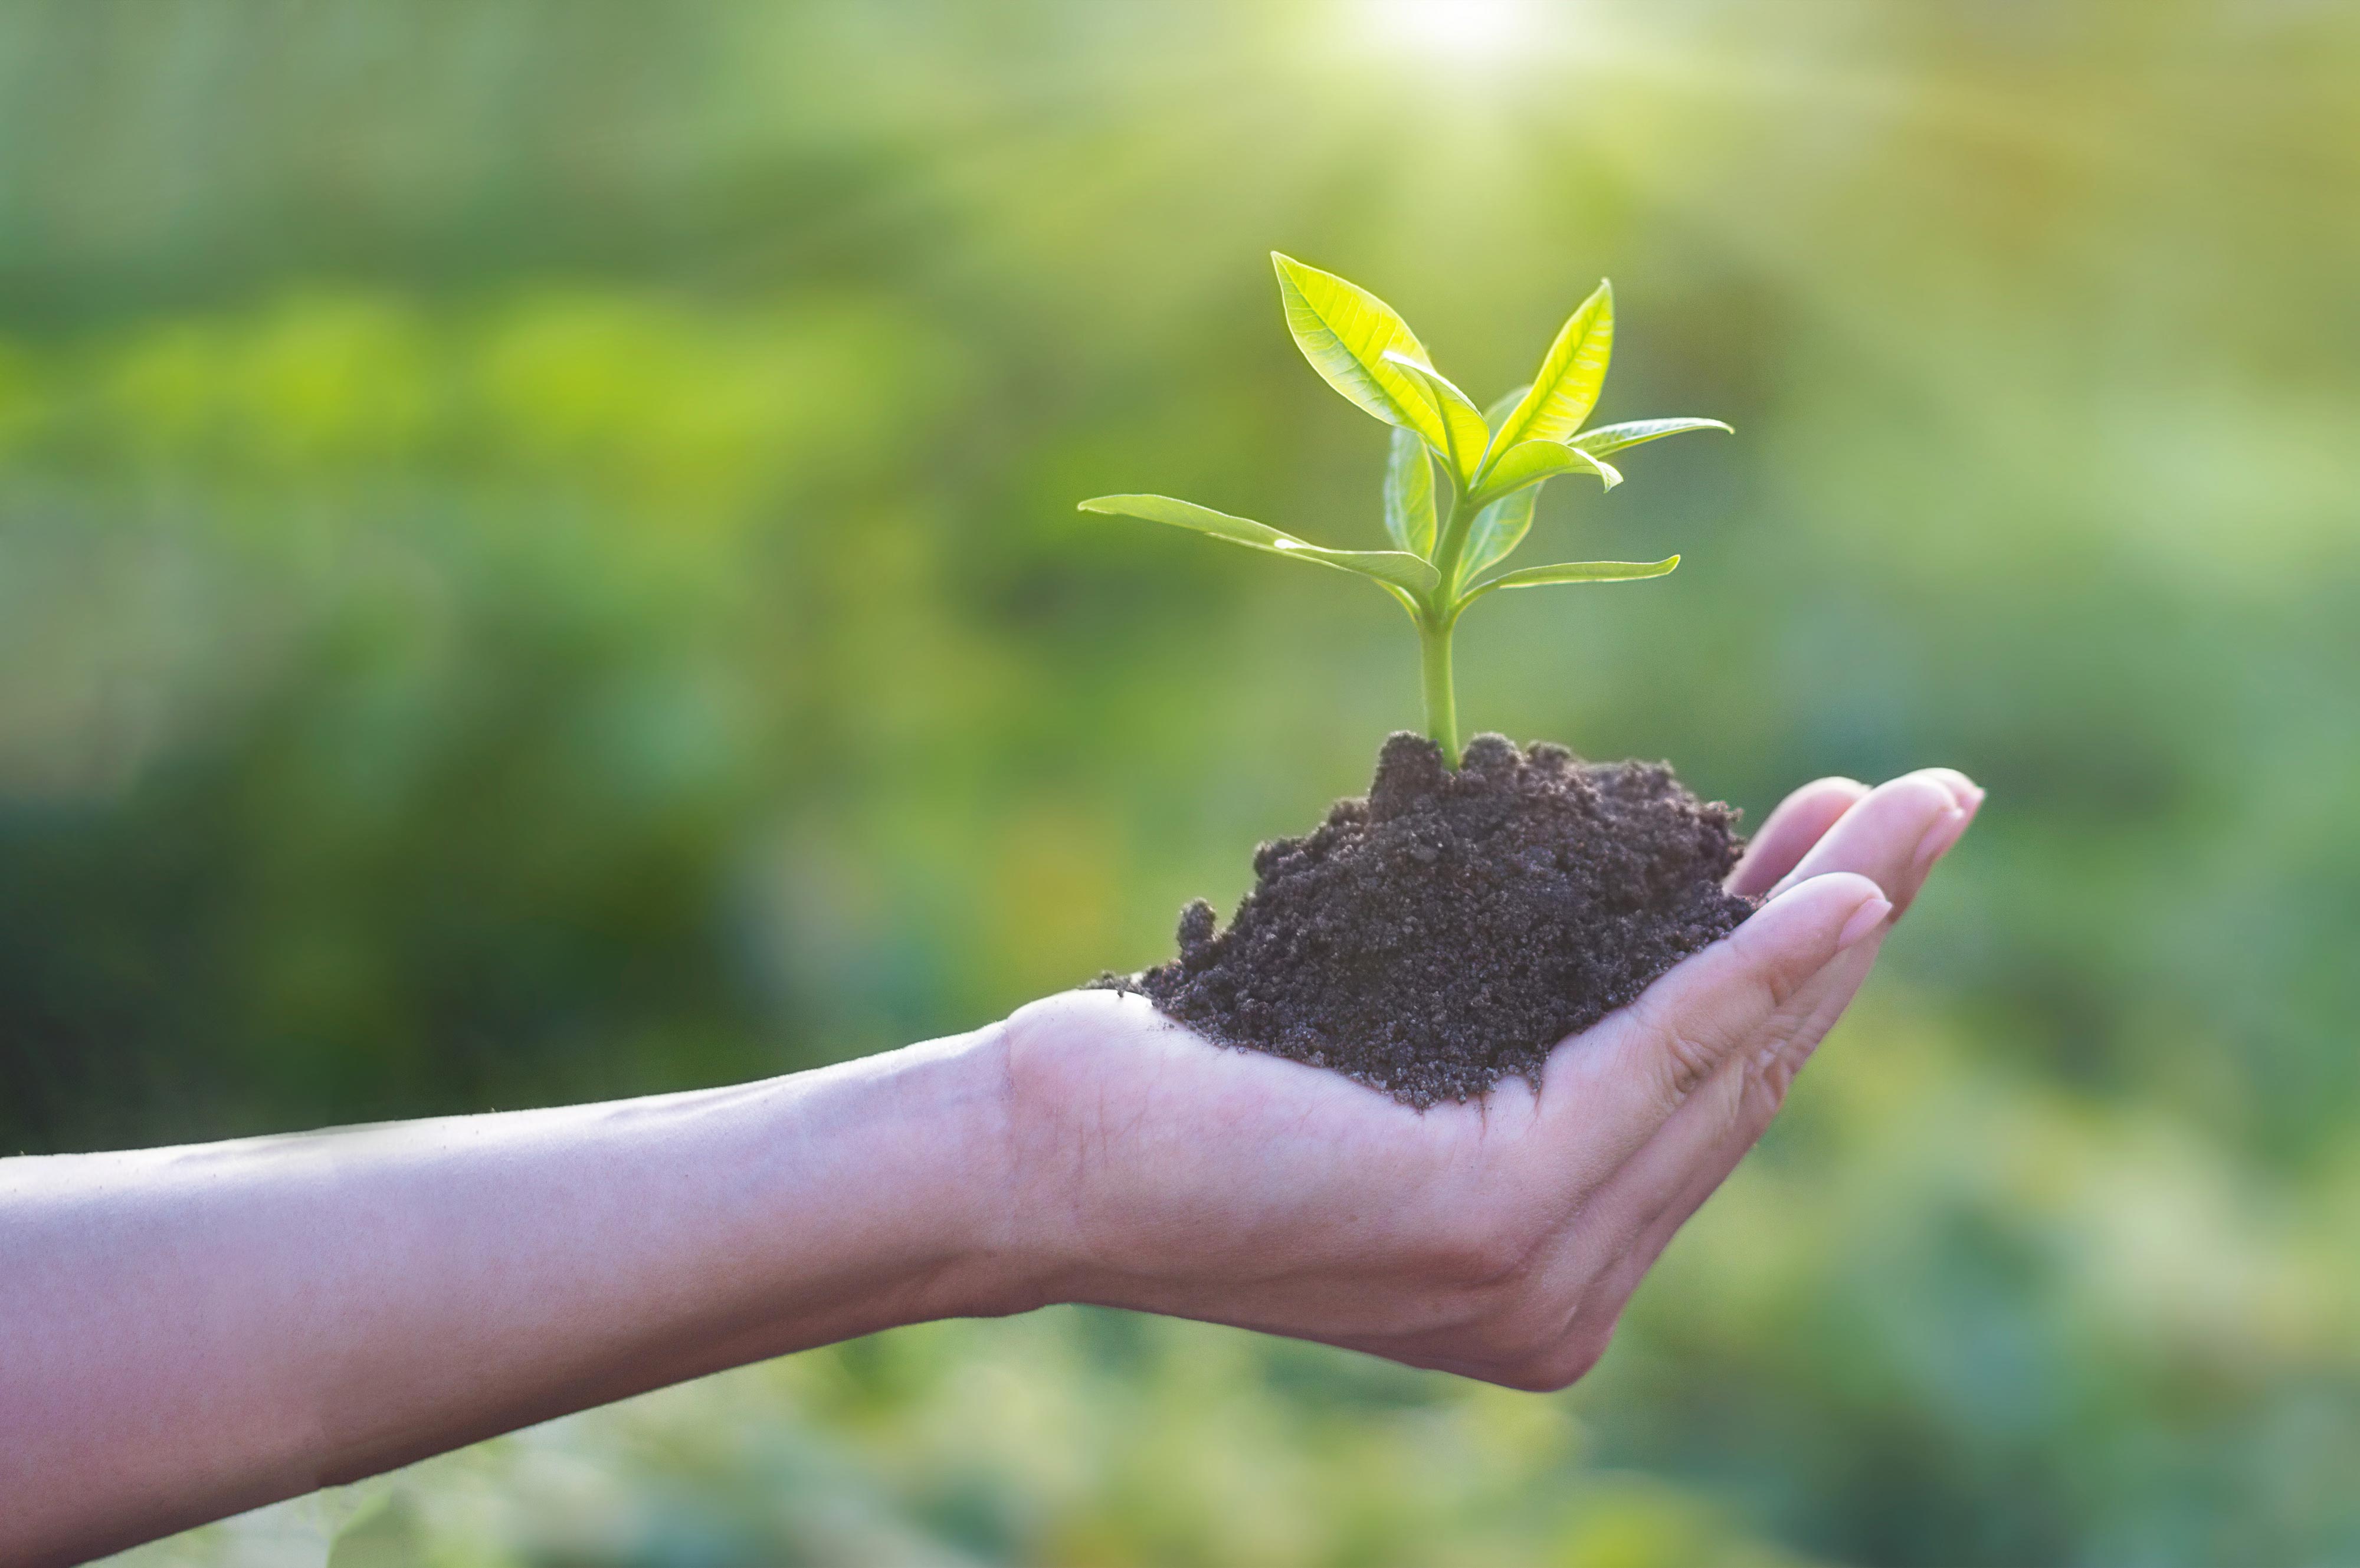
(1435, 627)
(1441, 700)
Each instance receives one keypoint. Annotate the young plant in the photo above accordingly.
(1493, 464)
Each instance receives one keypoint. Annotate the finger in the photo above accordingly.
(1892, 837)
(1625, 1078)
(1668, 1179)
(1965, 791)
(1633, 1238)
(1789, 832)
(1643, 1205)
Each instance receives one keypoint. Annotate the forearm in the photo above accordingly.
(187, 1332)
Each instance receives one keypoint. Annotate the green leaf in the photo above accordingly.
(1409, 493)
(1464, 433)
(1497, 530)
(1344, 331)
(1502, 523)
(1614, 438)
(1529, 463)
(1396, 569)
(1576, 571)
(1571, 373)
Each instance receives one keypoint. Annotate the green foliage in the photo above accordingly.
(1579, 571)
(1360, 346)
(1464, 432)
(1566, 385)
(1409, 493)
(1608, 439)
(1395, 569)
(1493, 465)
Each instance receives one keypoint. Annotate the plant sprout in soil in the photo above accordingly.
(1493, 463)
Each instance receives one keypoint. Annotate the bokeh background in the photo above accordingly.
(537, 560)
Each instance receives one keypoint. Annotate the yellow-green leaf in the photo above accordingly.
(1614, 438)
(1577, 572)
(1409, 493)
(1344, 331)
(1465, 434)
(1566, 387)
(1395, 569)
(1529, 463)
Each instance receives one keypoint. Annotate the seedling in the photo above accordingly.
(1493, 464)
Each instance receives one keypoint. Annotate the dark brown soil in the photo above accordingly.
(1445, 933)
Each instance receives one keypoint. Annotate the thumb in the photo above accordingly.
(1657, 1052)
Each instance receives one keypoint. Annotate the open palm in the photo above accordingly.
(1498, 1238)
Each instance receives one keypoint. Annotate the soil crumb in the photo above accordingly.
(1445, 933)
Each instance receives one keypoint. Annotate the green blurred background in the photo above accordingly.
(537, 560)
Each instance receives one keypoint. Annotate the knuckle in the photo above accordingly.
(1781, 981)
(1775, 975)
(1691, 1058)
(1781, 1058)
(1691, 1044)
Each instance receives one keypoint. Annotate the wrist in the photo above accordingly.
(983, 1166)
(1076, 1193)
(931, 1142)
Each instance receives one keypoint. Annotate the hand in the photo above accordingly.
(1499, 1239)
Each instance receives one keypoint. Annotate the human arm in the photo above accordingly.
(187, 1332)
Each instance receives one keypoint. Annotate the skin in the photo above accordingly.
(189, 1333)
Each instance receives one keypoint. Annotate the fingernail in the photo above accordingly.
(1864, 920)
(1940, 836)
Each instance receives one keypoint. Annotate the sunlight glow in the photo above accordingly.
(1473, 32)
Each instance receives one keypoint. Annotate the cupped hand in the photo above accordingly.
(1499, 1238)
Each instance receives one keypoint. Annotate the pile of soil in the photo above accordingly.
(1445, 933)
